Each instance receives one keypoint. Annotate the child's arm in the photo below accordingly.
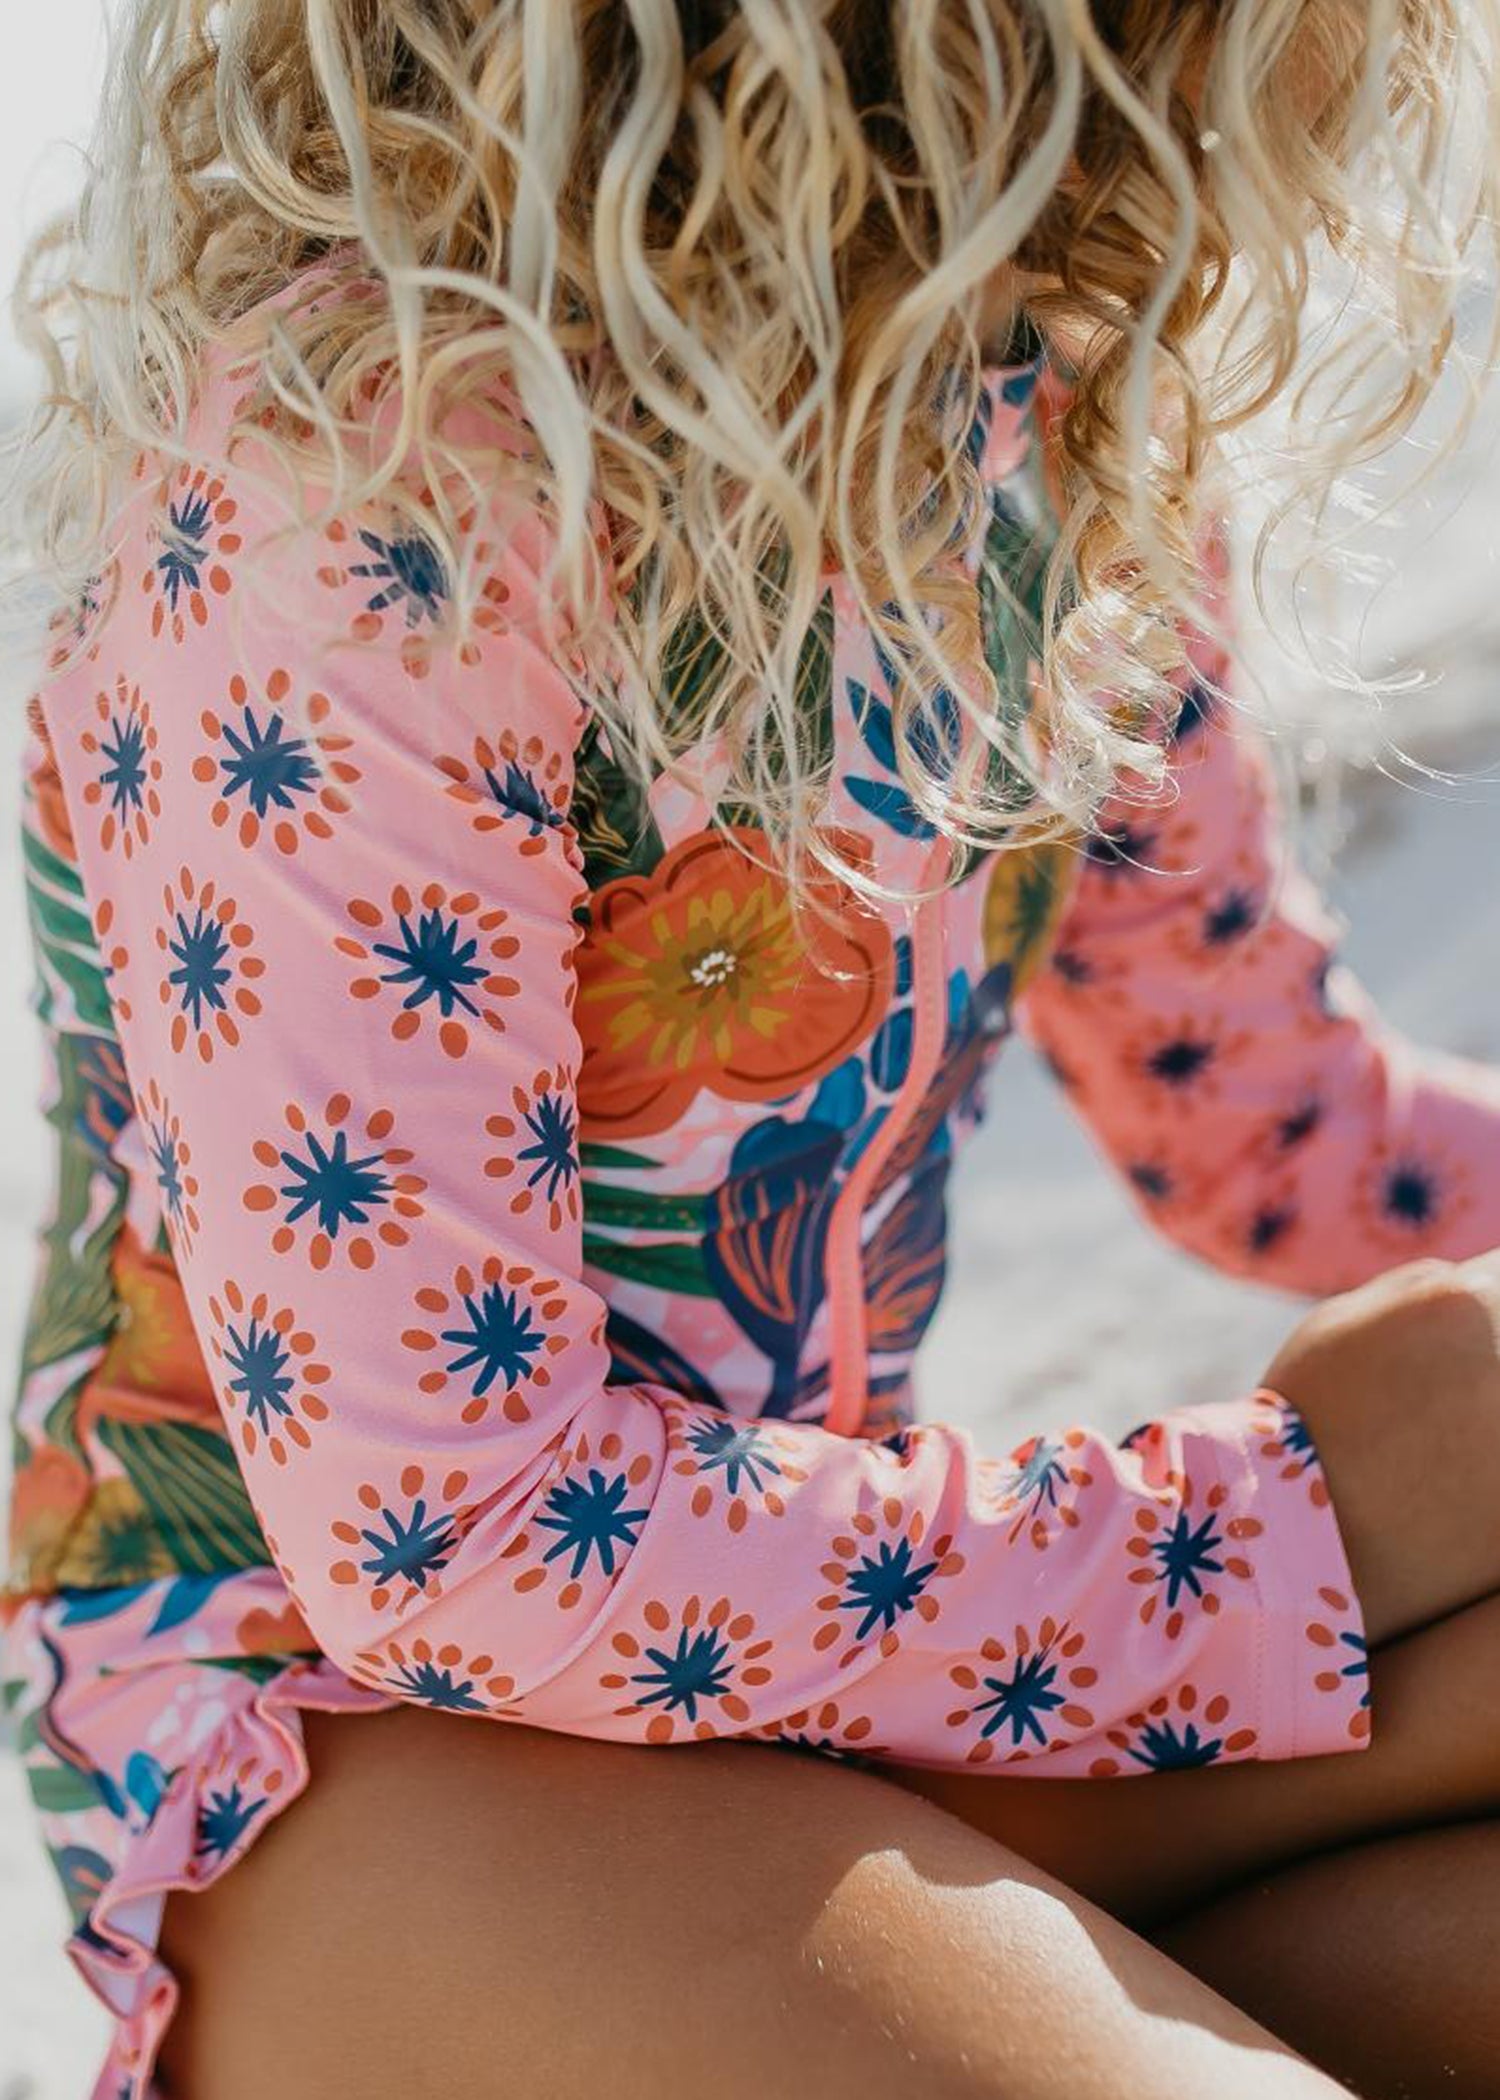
(1232, 1070)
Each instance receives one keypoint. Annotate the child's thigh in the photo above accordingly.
(454, 1907)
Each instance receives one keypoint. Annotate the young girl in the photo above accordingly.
(642, 596)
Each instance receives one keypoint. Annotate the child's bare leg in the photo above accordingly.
(468, 1909)
(1382, 1963)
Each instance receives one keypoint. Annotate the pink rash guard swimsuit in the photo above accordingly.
(488, 1252)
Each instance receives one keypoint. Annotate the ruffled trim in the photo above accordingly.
(249, 1772)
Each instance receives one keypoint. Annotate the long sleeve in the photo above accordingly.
(1228, 1065)
(342, 900)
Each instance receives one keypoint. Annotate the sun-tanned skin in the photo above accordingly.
(737, 1911)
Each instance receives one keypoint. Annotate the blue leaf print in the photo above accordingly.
(979, 429)
(892, 805)
(183, 1597)
(840, 1099)
(890, 1052)
(81, 1607)
(873, 719)
(145, 1782)
(934, 737)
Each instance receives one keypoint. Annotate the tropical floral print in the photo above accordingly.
(480, 1196)
(697, 980)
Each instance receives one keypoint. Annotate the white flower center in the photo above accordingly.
(716, 967)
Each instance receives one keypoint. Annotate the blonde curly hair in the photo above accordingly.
(737, 266)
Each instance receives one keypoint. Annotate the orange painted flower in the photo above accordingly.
(45, 783)
(153, 1369)
(265, 1632)
(703, 978)
(46, 1501)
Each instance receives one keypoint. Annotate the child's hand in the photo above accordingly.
(1399, 1382)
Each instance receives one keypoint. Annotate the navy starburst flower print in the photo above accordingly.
(1270, 1226)
(223, 1819)
(1022, 1700)
(739, 1449)
(407, 572)
(434, 1684)
(1235, 915)
(1071, 967)
(1164, 1747)
(269, 1376)
(211, 967)
(162, 1145)
(500, 1339)
(123, 778)
(1153, 1181)
(1178, 1062)
(1409, 1195)
(200, 950)
(883, 1586)
(276, 766)
(1038, 1478)
(121, 745)
(697, 1668)
(332, 1184)
(539, 1162)
(1357, 1668)
(1186, 1555)
(519, 794)
(552, 1155)
(443, 954)
(590, 1517)
(1295, 1442)
(333, 1178)
(495, 1331)
(185, 550)
(1297, 1127)
(1343, 1660)
(197, 537)
(411, 1547)
(266, 765)
(1124, 849)
(688, 1648)
(436, 959)
(261, 1375)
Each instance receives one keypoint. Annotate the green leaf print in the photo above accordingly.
(617, 833)
(63, 942)
(192, 1486)
(670, 1266)
(59, 1790)
(642, 1210)
(73, 1306)
(613, 1156)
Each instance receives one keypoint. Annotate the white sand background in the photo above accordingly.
(1060, 1305)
